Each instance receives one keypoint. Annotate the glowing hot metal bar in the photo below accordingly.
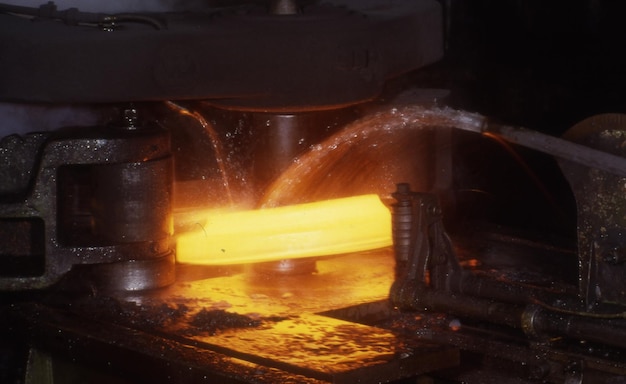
(307, 230)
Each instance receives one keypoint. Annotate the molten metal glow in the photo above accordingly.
(307, 230)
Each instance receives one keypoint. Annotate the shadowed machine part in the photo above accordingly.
(325, 56)
(429, 277)
(99, 198)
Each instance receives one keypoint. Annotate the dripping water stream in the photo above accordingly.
(377, 133)
(357, 158)
(215, 143)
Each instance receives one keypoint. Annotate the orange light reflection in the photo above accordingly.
(322, 228)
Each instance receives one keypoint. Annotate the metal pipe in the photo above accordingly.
(471, 307)
(536, 321)
(471, 284)
(540, 321)
(551, 145)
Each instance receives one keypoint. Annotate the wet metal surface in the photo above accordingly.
(242, 324)
(339, 281)
(273, 320)
(336, 350)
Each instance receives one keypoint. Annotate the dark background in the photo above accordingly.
(541, 64)
(544, 64)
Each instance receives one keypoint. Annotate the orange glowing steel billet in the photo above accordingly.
(322, 228)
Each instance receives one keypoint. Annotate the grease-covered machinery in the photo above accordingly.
(240, 104)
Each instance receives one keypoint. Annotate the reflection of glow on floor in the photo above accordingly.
(292, 333)
(296, 335)
(339, 282)
(320, 343)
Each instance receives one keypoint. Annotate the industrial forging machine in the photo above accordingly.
(291, 191)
